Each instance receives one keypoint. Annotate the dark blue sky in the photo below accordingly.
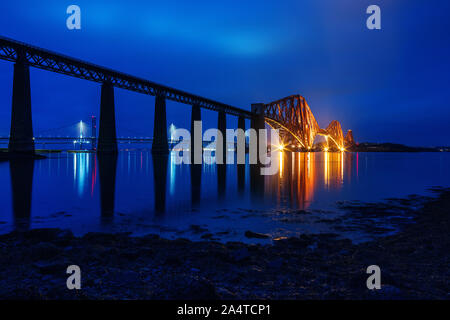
(386, 85)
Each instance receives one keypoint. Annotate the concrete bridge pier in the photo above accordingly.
(21, 132)
(256, 179)
(196, 149)
(241, 123)
(160, 145)
(107, 137)
(257, 123)
(258, 116)
(240, 153)
(241, 138)
(221, 150)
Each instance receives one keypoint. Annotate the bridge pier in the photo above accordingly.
(107, 137)
(21, 132)
(196, 150)
(241, 138)
(241, 123)
(160, 144)
(240, 166)
(221, 150)
(257, 123)
(258, 118)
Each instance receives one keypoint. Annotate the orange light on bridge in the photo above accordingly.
(292, 115)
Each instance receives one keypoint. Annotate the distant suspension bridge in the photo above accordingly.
(82, 134)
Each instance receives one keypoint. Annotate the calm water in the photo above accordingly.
(136, 193)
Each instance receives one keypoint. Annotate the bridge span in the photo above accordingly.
(25, 56)
(298, 126)
(292, 115)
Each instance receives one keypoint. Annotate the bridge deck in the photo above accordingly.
(12, 50)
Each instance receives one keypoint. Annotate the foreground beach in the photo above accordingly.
(414, 263)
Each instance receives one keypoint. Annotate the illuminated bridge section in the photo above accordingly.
(349, 141)
(298, 126)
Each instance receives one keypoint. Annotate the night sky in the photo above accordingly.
(386, 85)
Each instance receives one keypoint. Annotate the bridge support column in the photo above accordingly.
(196, 149)
(241, 123)
(21, 132)
(241, 144)
(221, 150)
(241, 166)
(160, 145)
(257, 123)
(107, 138)
(258, 119)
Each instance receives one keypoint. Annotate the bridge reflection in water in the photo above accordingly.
(88, 188)
(301, 174)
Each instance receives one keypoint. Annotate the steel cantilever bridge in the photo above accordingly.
(292, 114)
(298, 125)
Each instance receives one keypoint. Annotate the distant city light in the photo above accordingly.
(172, 129)
(81, 129)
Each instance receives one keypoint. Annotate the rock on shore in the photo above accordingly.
(414, 264)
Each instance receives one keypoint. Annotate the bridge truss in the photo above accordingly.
(299, 127)
(13, 50)
(291, 115)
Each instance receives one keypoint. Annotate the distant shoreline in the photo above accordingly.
(360, 147)
(393, 147)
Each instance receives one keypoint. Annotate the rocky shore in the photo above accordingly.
(414, 264)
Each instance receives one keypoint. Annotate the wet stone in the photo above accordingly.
(251, 234)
